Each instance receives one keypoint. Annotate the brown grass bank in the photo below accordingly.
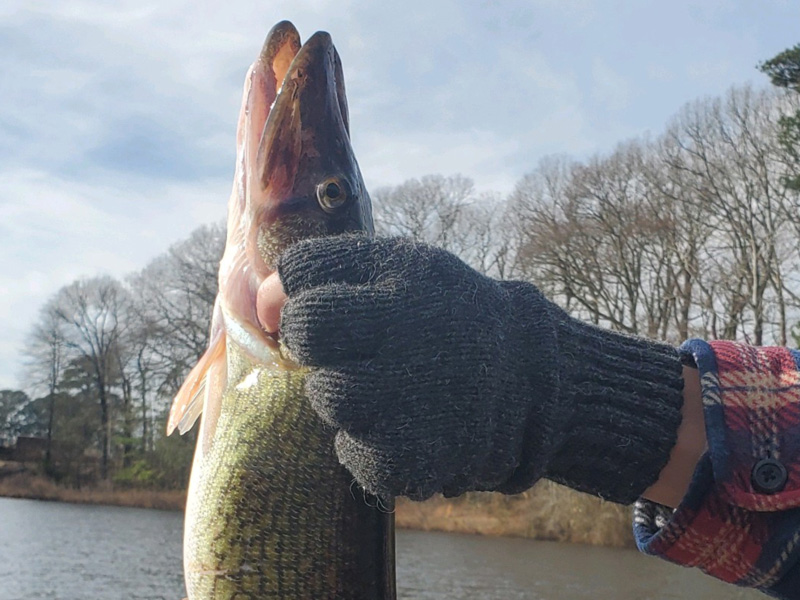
(546, 512)
(27, 485)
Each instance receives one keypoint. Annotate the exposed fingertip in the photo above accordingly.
(270, 299)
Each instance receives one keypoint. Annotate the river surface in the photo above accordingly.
(61, 551)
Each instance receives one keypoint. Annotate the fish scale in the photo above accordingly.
(317, 537)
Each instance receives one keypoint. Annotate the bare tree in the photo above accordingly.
(143, 368)
(174, 298)
(535, 209)
(92, 314)
(728, 154)
(487, 241)
(691, 234)
(595, 237)
(45, 353)
(426, 209)
(449, 213)
(685, 237)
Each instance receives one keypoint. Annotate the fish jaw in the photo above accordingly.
(284, 191)
(309, 183)
(238, 276)
(237, 286)
(296, 177)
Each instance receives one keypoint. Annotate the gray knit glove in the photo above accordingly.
(439, 379)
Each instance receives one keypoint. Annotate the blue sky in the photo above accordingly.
(117, 119)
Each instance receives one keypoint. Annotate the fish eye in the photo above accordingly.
(332, 194)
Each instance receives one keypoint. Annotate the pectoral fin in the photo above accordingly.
(202, 388)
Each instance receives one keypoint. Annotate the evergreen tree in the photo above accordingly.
(19, 415)
(783, 71)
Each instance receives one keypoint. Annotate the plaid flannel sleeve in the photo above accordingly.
(740, 519)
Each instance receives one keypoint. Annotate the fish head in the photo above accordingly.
(302, 178)
(296, 177)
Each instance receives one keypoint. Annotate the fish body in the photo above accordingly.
(270, 512)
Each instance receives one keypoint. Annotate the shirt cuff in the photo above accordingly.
(740, 519)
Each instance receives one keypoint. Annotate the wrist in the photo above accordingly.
(674, 479)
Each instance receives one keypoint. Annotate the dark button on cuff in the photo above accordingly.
(769, 476)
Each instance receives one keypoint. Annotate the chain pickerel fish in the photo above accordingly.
(270, 512)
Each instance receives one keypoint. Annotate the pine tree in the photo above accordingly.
(783, 71)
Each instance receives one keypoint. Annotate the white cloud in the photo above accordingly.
(391, 161)
(581, 12)
(658, 72)
(540, 74)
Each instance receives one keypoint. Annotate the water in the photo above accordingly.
(79, 552)
(455, 566)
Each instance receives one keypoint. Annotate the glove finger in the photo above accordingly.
(337, 323)
(354, 402)
(382, 470)
(351, 258)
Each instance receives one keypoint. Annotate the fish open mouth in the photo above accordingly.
(296, 177)
(296, 173)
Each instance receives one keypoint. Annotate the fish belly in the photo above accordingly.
(270, 512)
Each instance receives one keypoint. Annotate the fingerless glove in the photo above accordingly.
(439, 379)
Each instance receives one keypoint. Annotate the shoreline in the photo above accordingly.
(548, 512)
(35, 487)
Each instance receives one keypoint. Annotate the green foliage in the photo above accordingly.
(75, 439)
(139, 474)
(783, 71)
(166, 466)
(171, 459)
(19, 415)
(789, 139)
(31, 418)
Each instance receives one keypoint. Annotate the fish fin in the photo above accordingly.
(190, 399)
(215, 383)
(193, 410)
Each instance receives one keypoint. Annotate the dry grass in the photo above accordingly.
(546, 512)
(39, 488)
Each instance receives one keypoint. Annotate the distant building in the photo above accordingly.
(6, 449)
(29, 449)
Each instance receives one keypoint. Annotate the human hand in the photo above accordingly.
(270, 299)
(439, 379)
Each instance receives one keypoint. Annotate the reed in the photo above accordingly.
(546, 512)
(26, 485)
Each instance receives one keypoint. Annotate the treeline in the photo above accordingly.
(691, 233)
(103, 361)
